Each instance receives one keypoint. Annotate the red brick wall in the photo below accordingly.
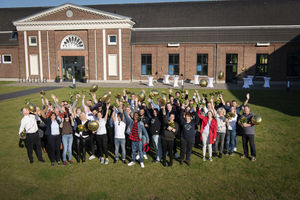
(9, 70)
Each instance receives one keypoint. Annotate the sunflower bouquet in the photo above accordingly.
(243, 120)
(229, 115)
(81, 128)
(125, 103)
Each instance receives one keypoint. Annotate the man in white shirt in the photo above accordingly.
(119, 136)
(29, 125)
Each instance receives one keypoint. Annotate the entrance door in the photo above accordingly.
(231, 67)
(73, 66)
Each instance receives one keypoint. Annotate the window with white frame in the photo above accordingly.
(32, 41)
(6, 59)
(112, 40)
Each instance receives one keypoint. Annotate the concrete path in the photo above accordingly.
(143, 84)
(24, 92)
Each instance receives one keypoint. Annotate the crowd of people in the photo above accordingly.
(61, 129)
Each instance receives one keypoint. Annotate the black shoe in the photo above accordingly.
(188, 162)
(164, 164)
(220, 155)
(52, 163)
(42, 160)
(31, 161)
(181, 162)
(214, 154)
(115, 161)
(124, 161)
(170, 164)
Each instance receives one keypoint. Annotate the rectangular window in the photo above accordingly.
(112, 65)
(173, 64)
(202, 64)
(34, 66)
(6, 59)
(112, 40)
(293, 65)
(262, 61)
(32, 41)
(146, 68)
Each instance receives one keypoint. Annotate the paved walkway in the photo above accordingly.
(140, 84)
(24, 92)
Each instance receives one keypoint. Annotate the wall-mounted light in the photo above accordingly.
(263, 44)
(173, 44)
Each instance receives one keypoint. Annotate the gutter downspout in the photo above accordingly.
(216, 73)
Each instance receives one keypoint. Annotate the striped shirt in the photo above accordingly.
(134, 135)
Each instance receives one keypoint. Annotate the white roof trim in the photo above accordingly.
(68, 5)
(215, 28)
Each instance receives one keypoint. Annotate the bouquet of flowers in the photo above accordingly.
(23, 134)
(204, 95)
(125, 103)
(243, 120)
(212, 94)
(218, 101)
(171, 124)
(42, 92)
(118, 96)
(229, 115)
(115, 105)
(128, 92)
(218, 93)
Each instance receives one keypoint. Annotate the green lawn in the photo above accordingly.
(275, 174)
(4, 88)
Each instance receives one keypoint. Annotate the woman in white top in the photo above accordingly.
(221, 131)
(119, 136)
(231, 131)
(101, 136)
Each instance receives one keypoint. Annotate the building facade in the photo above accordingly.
(131, 41)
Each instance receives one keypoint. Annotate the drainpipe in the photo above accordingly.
(131, 70)
(216, 73)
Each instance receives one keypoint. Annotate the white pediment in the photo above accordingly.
(70, 16)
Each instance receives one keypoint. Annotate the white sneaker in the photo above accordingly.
(106, 161)
(204, 159)
(137, 157)
(101, 160)
(92, 157)
(176, 155)
(142, 165)
(210, 159)
(145, 156)
(234, 149)
(131, 163)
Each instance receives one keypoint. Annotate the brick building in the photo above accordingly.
(128, 42)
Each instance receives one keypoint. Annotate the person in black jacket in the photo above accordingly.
(155, 131)
(53, 137)
(188, 134)
(169, 132)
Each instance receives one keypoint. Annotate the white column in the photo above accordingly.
(104, 54)
(40, 55)
(120, 54)
(48, 56)
(26, 55)
(96, 65)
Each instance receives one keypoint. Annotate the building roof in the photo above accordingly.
(192, 14)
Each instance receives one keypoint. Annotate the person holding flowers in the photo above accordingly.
(169, 132)
(231, 120)
(248, 133)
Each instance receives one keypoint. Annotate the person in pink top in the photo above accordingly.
(208, 132)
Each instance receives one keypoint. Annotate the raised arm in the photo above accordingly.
(247, 99)
(106, 113)
(83, 103)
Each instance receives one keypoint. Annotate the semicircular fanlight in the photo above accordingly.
(72, 42)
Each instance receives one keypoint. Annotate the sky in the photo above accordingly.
(37, 3)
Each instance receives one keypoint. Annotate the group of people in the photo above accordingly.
(134, 122)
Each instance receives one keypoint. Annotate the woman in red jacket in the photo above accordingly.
(208, 132)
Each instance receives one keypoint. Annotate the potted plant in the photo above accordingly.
(84, 79)
(57, 79)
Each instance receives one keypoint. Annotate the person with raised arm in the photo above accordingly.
(208, 132)
(135, 130)
(101, 136)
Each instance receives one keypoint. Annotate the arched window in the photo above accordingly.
(72, 42)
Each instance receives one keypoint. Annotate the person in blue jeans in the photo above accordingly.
(67, 137)
(135, 130)
(120, 127)
(231, 131)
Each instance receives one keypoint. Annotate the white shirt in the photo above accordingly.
(28, 123)
(102, 127)
(232, 123)
(54, 128)
(206, 128)
(120, 129)
(90, 116)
